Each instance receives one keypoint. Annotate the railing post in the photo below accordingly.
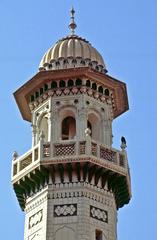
(125, 159)
(88, 145)
(77, 147)
(98, 151)
(40, 150)
(15, 161)
(117, 158)
(33, 154)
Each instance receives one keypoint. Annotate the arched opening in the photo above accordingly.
(53, 84)
(94, 124)
(83, 62)
(62, 84)
(107, 93)
(43, 126)
(100, 89)
(88, 83)
(45, 87)
(98, 235)
(74, 61)
(32, 98)
(36, 94)
(65, 233)
(70, 83)
(65, 61)
(97, 68)
(78, 82)
(41, 91)
(68, 128)
(94, 86)
(57, 63)
(89, 125)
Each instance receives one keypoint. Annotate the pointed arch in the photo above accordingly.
(67, 116)
(65, 233)
(42, 125)
(94, 123)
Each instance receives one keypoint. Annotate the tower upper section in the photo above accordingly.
(72, 58)
(72, 52)
(71, 103)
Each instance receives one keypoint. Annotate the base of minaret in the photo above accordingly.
(69, 211)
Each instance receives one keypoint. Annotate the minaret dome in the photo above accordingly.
(72, 51)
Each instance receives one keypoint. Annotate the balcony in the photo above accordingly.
(48, 153)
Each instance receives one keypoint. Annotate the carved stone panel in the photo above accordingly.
(65, 210)
(99, 214)
(35, 219)
(35, 236)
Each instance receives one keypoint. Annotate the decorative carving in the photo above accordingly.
(75, 90)
(35, 236)
(35, 219)
(121, 160)
(46, 150)
(99, 214)
(65, 210)
(26, 161)
(107, 154)
(64, 149)
(94, 149)
(82, 146)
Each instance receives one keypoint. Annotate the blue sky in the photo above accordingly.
(125, 33)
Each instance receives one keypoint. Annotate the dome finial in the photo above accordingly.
(72, 24)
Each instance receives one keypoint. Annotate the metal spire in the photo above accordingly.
(72, 24)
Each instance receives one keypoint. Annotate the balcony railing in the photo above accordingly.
(66, 149)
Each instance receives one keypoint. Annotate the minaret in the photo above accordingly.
(72, 181)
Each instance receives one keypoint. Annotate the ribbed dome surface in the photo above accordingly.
(72, 51)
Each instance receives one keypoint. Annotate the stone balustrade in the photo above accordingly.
(44, 151)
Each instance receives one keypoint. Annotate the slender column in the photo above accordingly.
(34, 132)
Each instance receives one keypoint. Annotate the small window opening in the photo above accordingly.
(68, 128)
(32, 98)
(78, 82)
(62, 84)
(83, 62)
(57, 63)
(70, 83)
(36, 94)
(100, 89)
(41, 91)
(45, 87)
(74, 61)
(98, 235)
(107, 92)
(97, 68)
(58, 103)
(65, 61)
(54, 84)
(88, 83)
(94, 86)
